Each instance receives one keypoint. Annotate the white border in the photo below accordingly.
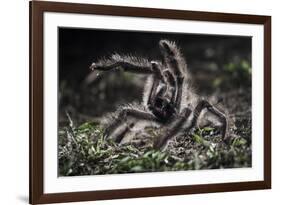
(54, 184)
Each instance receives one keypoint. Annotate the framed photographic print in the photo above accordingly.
(138, 102)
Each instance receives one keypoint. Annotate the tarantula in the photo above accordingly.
(168, 99)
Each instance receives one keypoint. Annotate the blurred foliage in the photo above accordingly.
(99, 96)
(234, 74)
(84, 151)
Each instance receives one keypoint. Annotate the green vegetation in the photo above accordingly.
(234, 74)
(84, 151)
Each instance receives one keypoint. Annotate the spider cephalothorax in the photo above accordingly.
(168, 99)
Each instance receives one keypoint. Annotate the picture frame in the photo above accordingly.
(38, 138)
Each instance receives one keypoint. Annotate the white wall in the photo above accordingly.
(14, 100)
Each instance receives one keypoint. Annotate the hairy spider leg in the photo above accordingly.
(172, 57)
(176, 63)
(122, 118)
(205, 104)
(168, 84)
(156, 79)
(165, 77)
(135, 65)
(173, 129)
(127, 63)
(171, 85)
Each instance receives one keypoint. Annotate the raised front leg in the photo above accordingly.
(175, 62)
(127, 63)
(172, 130)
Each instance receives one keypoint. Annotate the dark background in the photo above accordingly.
(219, 65)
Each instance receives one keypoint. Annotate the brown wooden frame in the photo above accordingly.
(37, 9)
